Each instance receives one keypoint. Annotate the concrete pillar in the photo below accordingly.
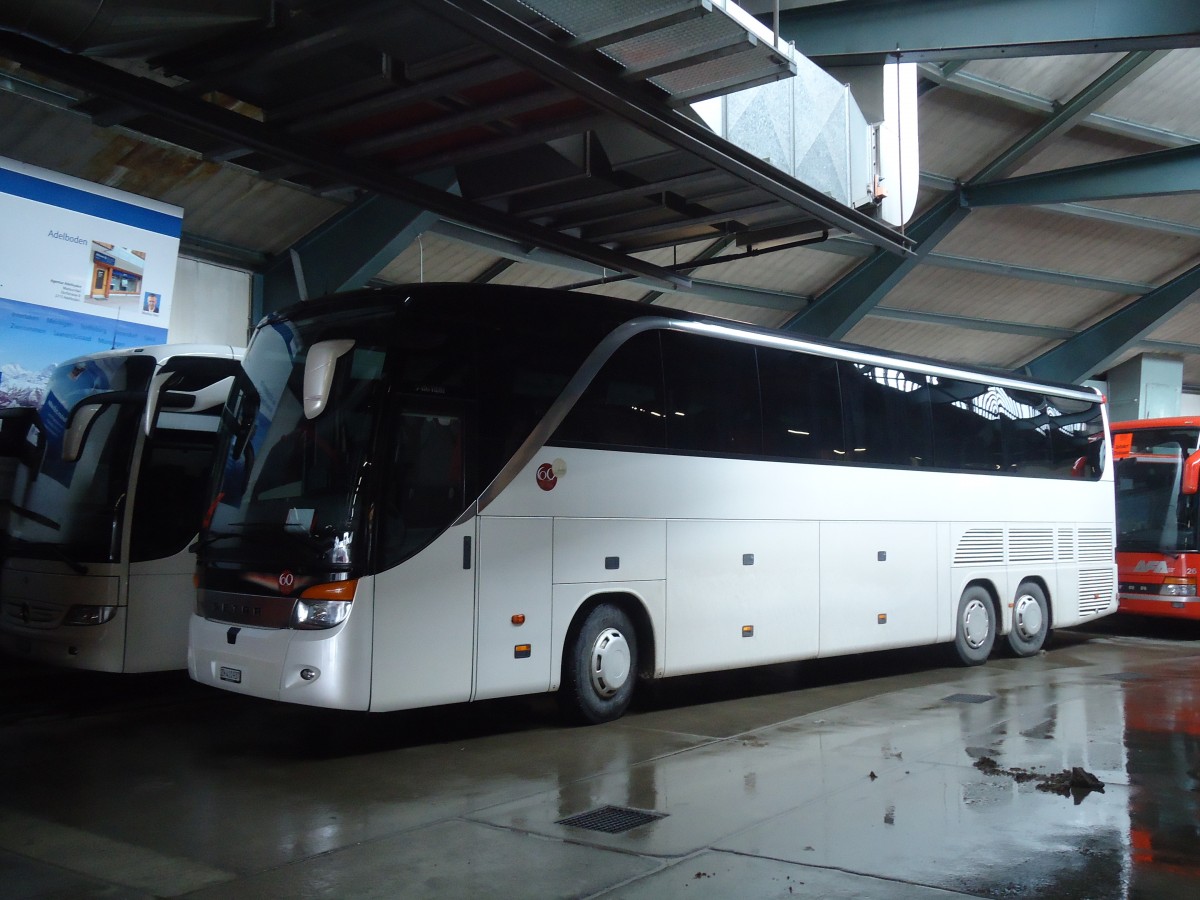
(1145, 387)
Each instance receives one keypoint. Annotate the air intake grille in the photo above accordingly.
(1095, 591)
(980, 546)
(1095, 545)
(1066, 545)
(611, 819)
(1027, 545)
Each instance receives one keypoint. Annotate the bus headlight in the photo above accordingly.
(324, 605)
(89, 615)
(1178, 587)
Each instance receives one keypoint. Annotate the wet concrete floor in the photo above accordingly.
(891, 775)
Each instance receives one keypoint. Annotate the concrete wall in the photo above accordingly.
(210, 305)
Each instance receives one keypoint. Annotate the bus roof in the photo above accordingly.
(1167, 422)
(162, 352)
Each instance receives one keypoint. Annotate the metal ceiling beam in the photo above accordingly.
(970, 323)
(230, 127)
(712, 290)
(1094, 349)
(978, 86)
(833, 313)
(841, 33)
(1161, 173)
(497, 29)
(1069, 114)
(345, 252)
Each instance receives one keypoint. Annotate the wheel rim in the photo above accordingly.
(1028, 616)
(976, 624)
(609, 662)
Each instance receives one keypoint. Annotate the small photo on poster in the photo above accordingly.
(152, 303)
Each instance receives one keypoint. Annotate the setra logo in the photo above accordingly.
(546, 479)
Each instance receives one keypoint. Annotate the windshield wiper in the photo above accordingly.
(74, 565)
(33, 516)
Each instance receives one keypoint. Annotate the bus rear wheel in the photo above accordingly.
(1031, 620)
(599, 667)
(975, 627)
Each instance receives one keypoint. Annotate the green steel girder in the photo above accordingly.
(345, 252)
(1175, 171)
(869, 32)
(1094, 349)
(833, 313)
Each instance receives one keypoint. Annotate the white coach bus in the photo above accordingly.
(105, 502)
(442, 493)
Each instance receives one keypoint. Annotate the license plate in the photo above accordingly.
(228, 674)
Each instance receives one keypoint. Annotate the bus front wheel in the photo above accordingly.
(975, 626)
(599, 667)
(1031, 620)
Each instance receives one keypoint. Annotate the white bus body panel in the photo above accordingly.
(879, 586)
(423, 643)
(726, 577)
(515, 560)
(42, 592)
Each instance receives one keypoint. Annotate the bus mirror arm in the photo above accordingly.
(79, 419)
(1190, 483)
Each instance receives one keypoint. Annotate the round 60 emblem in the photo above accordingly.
(546, 479)
(287, 581)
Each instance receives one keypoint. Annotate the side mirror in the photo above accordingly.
(319, 367)
(78, 425)
(1191, 475)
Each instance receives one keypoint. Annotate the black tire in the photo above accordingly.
(974, 627)
(599, 667)
(1031, 620)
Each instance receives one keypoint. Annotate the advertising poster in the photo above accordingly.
(83, 268)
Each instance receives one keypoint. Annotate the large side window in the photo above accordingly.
(1073, 425)
(1026, 428)
(623, 405)
(887, 415)
(712, 395)
(802, 406)
(966, 427)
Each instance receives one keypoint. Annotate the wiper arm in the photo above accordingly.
(33, 516)
(74, 565)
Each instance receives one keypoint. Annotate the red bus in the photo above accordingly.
(1158, 481)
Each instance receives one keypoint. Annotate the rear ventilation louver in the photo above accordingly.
(980, 546)
(1029, 545)
(1095, 545)
(1066, 545)
(1095, 591)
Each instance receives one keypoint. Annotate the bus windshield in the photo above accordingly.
(425, 400)
(71, 505)
(1152, 512)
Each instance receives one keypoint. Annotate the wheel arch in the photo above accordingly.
(634, 607)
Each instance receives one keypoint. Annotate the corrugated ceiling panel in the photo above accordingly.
(960, 134)
(976, 348)
(1080, 147)
(1159, 95)
(436, 259)
(219, 202)
(980, 296)
(1044, 239)
(1183, 326)
(1182, 208)
(806, 270)
(1049, 77)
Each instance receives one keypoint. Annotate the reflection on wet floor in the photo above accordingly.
(1075, 774)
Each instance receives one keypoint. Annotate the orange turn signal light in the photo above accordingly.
(333, 590)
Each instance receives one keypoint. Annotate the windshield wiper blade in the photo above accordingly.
(33, 516)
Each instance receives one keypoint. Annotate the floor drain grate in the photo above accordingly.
(968, 698)
(611, 819)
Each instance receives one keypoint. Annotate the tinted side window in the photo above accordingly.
(1026, 429)
(802, 406)
(887, 415)
(966, 430)
(712, 395)
(1073, 453)
(171, 493)
(623, 406)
